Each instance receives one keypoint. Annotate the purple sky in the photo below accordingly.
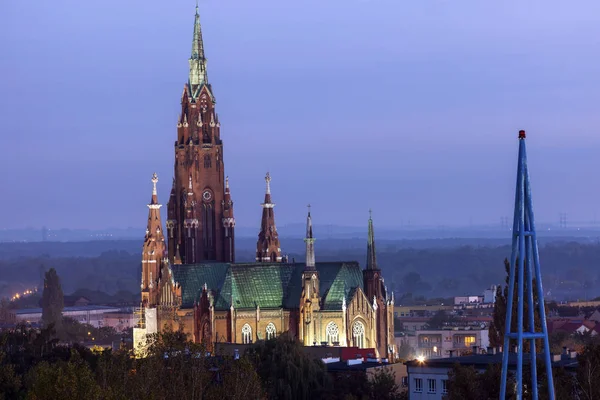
(409, 107)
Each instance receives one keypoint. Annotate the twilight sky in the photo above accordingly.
(411, 108)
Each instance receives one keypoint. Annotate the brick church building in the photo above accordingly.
(190, 279)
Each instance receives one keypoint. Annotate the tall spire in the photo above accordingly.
(371, 255)
(524, 271)
(309, 240)
(267, 246)
(198, 75)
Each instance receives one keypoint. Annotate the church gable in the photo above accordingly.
(338, 281)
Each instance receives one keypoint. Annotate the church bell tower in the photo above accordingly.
(200, 225)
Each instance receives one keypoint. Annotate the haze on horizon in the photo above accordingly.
(409, 108)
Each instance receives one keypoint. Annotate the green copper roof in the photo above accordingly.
(266, 285)
(338, 281)
(193, 277)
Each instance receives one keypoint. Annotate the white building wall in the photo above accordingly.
(425, 375)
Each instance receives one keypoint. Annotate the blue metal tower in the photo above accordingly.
(527, 261)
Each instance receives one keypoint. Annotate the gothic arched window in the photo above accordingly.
(246, 334)
(332, 332)
(358, 334)
(271, 331)
(207, 162)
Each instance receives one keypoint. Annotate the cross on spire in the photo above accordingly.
(268, 181)
(154, 182)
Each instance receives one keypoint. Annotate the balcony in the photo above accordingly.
(429, 345)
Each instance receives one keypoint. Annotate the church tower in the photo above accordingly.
(310, 299)
(267, 246)
(375, 292)
(154, 251)
(200, 225)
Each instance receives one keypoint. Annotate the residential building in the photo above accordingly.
(444, 343)
(428, 379)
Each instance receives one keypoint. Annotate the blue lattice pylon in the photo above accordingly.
(525, 258)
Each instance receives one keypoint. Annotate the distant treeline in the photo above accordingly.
(430, 268)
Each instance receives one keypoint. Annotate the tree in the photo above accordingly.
(383, 385)
(52, 300)
(496, 331)
(439, 320)
(71, 380)
(465, 383)
(406, 351)
(287, 372)
(588, 373)
(498, 325)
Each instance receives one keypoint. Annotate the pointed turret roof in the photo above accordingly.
(228, 218)
(309, 240)
(154, 228)
(267, 246)
(371, 254)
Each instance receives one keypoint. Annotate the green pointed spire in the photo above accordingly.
(371, 255)
(197, 60)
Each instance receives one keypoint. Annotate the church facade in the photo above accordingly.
(190, 279)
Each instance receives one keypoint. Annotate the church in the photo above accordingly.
(190, 279)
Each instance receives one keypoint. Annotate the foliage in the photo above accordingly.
(406, 351)
(287, 372)
(383, 385)
(496, 330)
(52, 300)
(452, 267)
(465, 383)
(439, 320)
(70, 380)
(498, 325)
(588, 373)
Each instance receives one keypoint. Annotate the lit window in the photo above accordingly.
(469, 340)
(430, 385)
(246, 334)
(418, 385)
(271, 331)
(332, 332)
(358, 333)
(444, 386)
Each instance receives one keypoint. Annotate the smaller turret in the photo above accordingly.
(153, 250)
(310, 243)
(228, 225)
(267, 246)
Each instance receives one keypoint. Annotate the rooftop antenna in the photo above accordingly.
(525, 254)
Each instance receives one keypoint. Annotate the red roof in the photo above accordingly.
(350, 353)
